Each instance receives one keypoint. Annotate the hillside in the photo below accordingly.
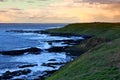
(106, 30)
(100, 61)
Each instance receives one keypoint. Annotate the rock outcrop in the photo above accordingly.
(8, 74)
(32, 50)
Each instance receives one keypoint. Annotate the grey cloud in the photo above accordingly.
(112, 5)
(16, 9)
(2, 0)
(3, 11)
(33, 1)
(43, 0)
(30, 1)
(98, 1)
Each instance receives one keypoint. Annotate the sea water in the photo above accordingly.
(17, 41)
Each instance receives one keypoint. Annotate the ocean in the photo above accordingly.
(10, 41)
(18, 41)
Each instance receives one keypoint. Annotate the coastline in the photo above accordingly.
(53, 48)
(90, 46)
(104, 43)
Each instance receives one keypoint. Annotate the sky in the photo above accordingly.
(59, 11)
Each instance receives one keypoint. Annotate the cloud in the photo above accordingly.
(2, 0)
(98, 1)
(30, 1)
(16, 9)
(3, 11)
(62, 11)
(112, 6)
(5, 18)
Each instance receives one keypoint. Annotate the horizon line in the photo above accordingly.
(52, 23)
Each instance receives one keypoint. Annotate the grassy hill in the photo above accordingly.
(107, 30)
(101, 61)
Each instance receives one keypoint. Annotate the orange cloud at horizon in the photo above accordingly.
(63, 12)
(4, 18)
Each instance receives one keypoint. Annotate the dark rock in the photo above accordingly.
(69, 42)
(47, 74)
(65, 34)
(28, 65)
(85, 46)
(52, 60)
(56, 49)
(21, 72)
(26, 71)
(23, 31)
(17, 73)
(44, 32)
(41, 78)
(59, 34)
(9, 75)
(0, 77)
(86, 36)
(50, 43)
(55, 63)
(32, 50)
(52, 64)
(18, 79)
(72, 42)
(51, 72)
(74, 51)
(48, 65)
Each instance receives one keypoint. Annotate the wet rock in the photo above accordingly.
(40, 78)
(52, 60)
(65, 34)
(23, 31)
(26, 71)
(18, 79)
(85, 46)
(9, 75)
(17, 73)
(72, 42)
(56, 49)
(53, 65)
(68, 42)
(32, 50)
(51, 72)
(59, 34)
(47, 74)
(50, 43)
(28, 65)
(48, 65)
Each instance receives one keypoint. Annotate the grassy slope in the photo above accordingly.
(102, 62)
(107, 30)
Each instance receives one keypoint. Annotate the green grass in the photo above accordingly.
(101, 61)
(107, 30)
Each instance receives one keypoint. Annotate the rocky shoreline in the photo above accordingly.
(85, 43)
(51, 33)
(34, 50)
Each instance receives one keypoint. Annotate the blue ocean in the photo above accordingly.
(18, 41)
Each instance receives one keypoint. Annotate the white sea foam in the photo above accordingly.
(76, 38)
(19, 41)
(40, 58)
